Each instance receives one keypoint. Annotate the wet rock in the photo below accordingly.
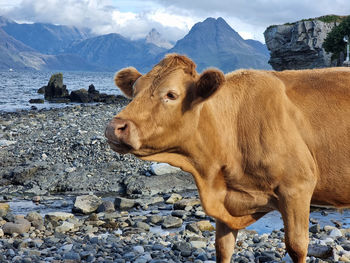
(193, 227)
(106, 206)
(93, 93)
(198, 244)
(156, 219)
(179, 213)
(173, 199)
(65, 227)
(184, 247)
(205, 225)
(20, 226)
(315, 229)
(41, 90)
(313, 220)
(171, 222)
(318, 251)
(36, 101)
(163, 168)
(35, 219)
(142, 225)
(55, 89)
(335, 233)
(58, 216)
(86, 204)
(337, 223)
(81, 95)
(186, 203)
(124, 203)
(4, 208)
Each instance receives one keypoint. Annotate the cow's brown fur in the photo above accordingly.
(254, 141)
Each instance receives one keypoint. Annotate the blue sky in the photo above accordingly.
(172, 18)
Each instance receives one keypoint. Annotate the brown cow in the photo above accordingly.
(254, 141)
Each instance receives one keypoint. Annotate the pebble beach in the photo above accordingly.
(83, 202)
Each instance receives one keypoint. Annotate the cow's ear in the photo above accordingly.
(207, 84)
(125, 80)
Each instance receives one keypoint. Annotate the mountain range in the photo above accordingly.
(38, 46)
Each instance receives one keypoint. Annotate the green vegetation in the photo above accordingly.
(334, 41)
(325, 19)
(332, 19)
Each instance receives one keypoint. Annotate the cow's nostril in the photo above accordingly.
(123, 127)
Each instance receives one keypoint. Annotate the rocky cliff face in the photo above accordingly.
(299, 45)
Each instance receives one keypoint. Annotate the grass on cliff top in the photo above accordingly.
(325, 19)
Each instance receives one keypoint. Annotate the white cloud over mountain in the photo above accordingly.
(172, 19)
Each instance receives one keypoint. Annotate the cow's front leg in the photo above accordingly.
(225, 240)
(295, 209)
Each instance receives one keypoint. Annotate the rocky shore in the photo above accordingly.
(122, 209)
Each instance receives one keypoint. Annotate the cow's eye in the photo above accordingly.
(171, 96)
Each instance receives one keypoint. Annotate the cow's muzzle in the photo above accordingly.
(122, 135)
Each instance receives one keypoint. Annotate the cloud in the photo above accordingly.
(173, 19)
(102, 16)
(251, 18)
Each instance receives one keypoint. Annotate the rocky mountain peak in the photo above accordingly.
(154, 37)
(214, 43)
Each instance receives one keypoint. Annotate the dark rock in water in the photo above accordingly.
(172, 222)
(42, 90)
(80, 95)
(55, 88)
(320, 251)
(109, 99)
(36, 101)
(315, 229)
(93, 93)
(124, 203)
(92, 89)
(184, 247)
(106, 206)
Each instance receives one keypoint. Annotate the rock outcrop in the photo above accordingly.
(55, 91)
(299, 45)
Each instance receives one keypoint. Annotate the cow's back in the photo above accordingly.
(323, 97)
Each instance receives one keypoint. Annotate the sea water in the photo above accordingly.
(18, 87)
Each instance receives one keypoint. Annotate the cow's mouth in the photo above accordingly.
(119, 147)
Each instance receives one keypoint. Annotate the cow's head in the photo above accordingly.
(165, 108)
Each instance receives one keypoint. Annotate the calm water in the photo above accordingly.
(18, 87)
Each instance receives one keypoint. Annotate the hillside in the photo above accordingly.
(44, 38)
(114, 51)
(16, 55)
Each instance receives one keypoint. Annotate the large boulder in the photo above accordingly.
(86, 204)
(55, 91)
(19, 226)
(299, 45)
(81, 95)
